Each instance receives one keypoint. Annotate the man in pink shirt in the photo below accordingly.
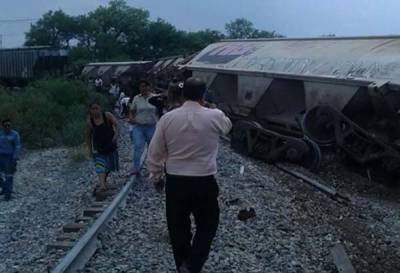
(186, 144)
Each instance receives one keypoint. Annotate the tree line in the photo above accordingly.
(121, 32)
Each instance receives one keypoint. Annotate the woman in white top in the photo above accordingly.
(143, 117)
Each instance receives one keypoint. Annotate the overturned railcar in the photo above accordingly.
(111, 70)
(289, 97)
(126, 73)
(167, 70)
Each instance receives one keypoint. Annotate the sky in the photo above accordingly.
(292, 18)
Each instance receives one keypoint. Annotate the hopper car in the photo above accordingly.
(291, 98)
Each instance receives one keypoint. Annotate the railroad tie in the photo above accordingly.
(101, 196)
(60, 245)
(83, 219)
(73, 227)
(99, 204)
(92, 212)
(67, 237)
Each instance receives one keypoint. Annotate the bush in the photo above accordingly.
(49, 113)
(79, 153)
(62, 92)
(74, 128)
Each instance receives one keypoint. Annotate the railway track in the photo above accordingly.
(78, 256)
(100, 214)
(79, 240)
(85, 247)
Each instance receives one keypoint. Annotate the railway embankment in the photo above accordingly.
(293, 229)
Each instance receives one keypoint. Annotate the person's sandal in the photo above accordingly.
(101, 194)
(95, 190)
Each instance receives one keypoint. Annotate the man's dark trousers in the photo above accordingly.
(187, 195)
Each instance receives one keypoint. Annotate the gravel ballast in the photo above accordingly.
(50, 190)
(294, 228)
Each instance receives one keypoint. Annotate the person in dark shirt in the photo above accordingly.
(175, 95)
(102, 135)
(10, 146)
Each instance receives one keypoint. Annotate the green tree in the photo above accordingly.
(195, 41)
(265, 34)
(54, 29)
(117, 31)
(242, 28)
(162, 39)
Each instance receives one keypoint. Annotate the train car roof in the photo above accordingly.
(372, 37)
(116, 68)
(25, 48)
(42, 51)
(118, 63)
(369, 58)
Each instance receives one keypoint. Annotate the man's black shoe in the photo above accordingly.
(7, 197)
(1, 192)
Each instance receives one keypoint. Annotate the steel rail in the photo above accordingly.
(84, 249)
(331, 192)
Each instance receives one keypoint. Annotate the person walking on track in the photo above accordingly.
(143, 116)
(185, 143)
(102, 135)
(10, 146)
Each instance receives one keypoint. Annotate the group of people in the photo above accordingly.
(182, 139)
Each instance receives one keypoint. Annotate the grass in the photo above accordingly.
(80, 153)
(49, 113)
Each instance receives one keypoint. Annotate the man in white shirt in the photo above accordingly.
(186, 143)
(98, 84)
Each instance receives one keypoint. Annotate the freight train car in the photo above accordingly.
(109, 70)
(167, 70)
(126, 73)
(289, 97)
(20, 65)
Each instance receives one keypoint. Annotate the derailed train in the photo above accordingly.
(290, 97)
(18, 66)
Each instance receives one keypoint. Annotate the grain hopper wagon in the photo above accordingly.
(290, 97)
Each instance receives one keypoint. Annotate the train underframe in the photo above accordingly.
(322, 126)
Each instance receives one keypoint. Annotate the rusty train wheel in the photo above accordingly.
(318, 125)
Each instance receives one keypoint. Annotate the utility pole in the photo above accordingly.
(1, 40)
